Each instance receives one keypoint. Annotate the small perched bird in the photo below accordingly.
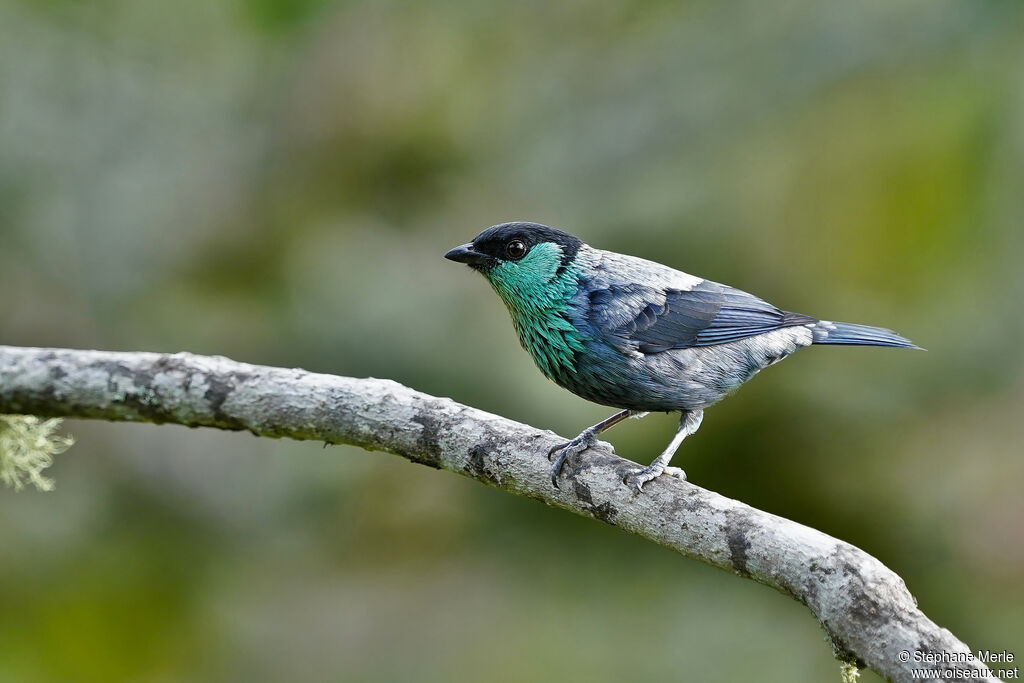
(636, 335)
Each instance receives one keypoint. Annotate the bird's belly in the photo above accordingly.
(676, 379)
(647, 384)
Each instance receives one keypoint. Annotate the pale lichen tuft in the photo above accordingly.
(27, 447)
(848, 672)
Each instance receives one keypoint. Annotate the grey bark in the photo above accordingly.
(864, 607)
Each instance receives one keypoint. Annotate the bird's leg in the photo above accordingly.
(688, 424)
(586, 439)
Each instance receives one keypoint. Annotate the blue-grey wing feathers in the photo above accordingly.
(706, 315)
(653, 319)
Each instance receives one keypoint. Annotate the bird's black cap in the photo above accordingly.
(490, 246)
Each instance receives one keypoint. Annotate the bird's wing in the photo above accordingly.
(653, 319)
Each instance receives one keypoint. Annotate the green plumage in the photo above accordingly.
(537, 295)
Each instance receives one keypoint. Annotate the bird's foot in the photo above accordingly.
(564, 450)
(637, 478)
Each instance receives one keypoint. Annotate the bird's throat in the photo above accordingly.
(538, 308)
(551, 341)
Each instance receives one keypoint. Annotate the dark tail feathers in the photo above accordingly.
(826, 332)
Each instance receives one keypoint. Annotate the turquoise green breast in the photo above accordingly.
(537, 298)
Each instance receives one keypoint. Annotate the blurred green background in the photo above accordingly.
(276, 181)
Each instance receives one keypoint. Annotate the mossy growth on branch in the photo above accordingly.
(27, 447)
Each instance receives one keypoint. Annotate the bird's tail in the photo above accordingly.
(827, 332)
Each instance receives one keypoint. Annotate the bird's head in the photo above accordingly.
(522, 261)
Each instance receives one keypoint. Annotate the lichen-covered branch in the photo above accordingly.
(865, 608)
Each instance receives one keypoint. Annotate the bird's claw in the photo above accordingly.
(555, 449)
(676, 472)
(636, 479)
(564, 450)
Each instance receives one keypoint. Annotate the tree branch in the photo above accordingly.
(865, 608)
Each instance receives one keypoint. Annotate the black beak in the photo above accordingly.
(465, 254)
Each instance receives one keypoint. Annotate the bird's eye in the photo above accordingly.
(515, 249)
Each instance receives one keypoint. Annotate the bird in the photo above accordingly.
(636, 335)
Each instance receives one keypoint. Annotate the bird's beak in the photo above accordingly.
(465, 254)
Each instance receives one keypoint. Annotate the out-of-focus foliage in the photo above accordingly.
(276, 181)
